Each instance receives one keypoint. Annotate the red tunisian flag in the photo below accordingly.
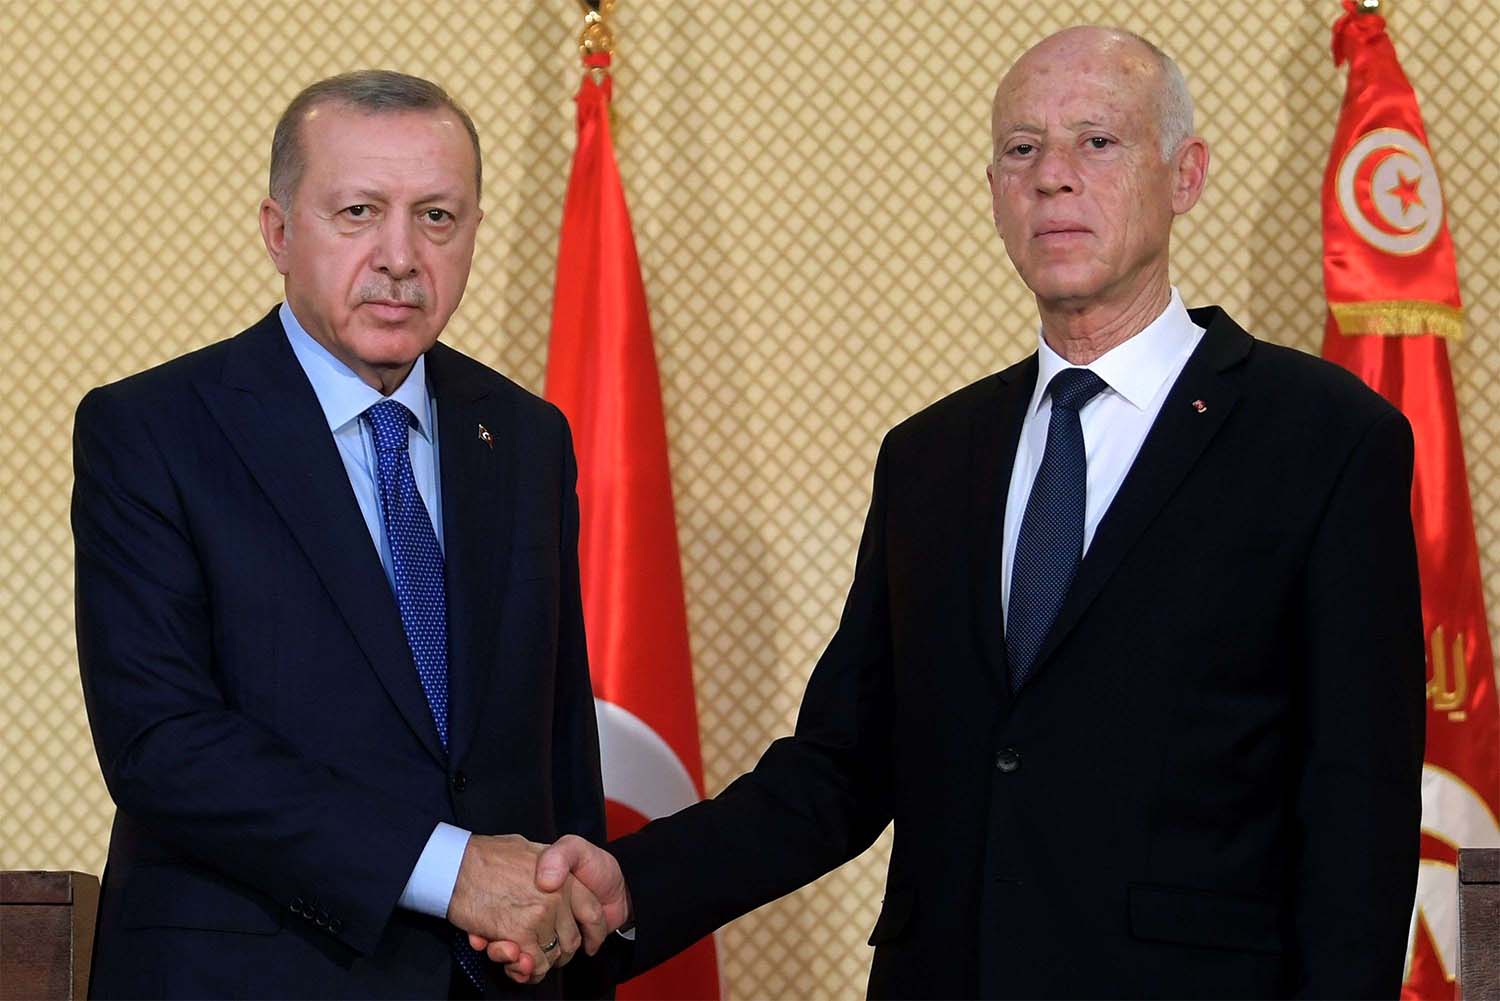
(601, 370)
(1392, 285)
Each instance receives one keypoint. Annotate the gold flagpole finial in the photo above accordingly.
(596, 37)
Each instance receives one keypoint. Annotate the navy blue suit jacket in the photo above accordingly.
(254, 705)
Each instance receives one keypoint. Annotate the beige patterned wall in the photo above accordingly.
(807, 184)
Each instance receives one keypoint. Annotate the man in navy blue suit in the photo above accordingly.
(328, 611)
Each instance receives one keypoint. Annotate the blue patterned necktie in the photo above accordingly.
(416, 560)
(417, 566)
(1049, 545)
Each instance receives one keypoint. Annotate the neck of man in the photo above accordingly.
(1082, 331)
(387, 380)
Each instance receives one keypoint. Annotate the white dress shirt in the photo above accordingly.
(344, 397)
(1137, 374)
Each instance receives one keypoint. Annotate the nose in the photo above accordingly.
(395, 253)
(1055, 170)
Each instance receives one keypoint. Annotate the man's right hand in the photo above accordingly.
(497, 898)
(594, 872)
(598, 872)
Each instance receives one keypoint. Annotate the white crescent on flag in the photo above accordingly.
(640, 769)
(1452, 812)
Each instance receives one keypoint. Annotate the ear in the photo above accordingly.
(989, 175)
(1189, 173)
(273, 230)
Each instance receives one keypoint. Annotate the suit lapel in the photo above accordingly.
(996, 432)
(268, 411)
(477, 484)
(1172, 448)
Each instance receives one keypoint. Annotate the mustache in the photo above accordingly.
(406, 293)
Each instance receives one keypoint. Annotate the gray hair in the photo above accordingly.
(1175, 111)
(371, 91)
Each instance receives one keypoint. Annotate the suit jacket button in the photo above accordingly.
(1008, 760)
(460, 781)
(296, 905)
(336, 925)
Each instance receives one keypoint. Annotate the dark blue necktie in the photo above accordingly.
(1049, 545)
(417, 566)
(416, 560)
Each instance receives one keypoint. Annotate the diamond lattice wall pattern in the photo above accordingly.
(807, 183)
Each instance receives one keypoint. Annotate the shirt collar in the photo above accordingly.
(1136, 368)
(343, 395)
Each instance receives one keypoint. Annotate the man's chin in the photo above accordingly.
(1063, 292)
(390, 347)
(394, 335)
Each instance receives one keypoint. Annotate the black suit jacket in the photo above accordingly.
(1209, 786)
(254, 704)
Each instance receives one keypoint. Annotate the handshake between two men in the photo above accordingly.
(532, 907)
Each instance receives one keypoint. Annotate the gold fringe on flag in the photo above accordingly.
(1399, 318)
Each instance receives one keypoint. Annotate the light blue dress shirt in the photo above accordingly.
(344, 397)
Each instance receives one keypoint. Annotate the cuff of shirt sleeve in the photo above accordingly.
(430, 887)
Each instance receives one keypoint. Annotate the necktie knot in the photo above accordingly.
(389, 423)
(1072, 388)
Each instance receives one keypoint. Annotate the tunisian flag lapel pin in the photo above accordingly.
(486, 437)
(1200, 406)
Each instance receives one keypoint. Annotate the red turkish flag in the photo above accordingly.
(601, 370)
(1392, 285)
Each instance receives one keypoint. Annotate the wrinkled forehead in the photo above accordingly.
(343, 142)
(1082, 79)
